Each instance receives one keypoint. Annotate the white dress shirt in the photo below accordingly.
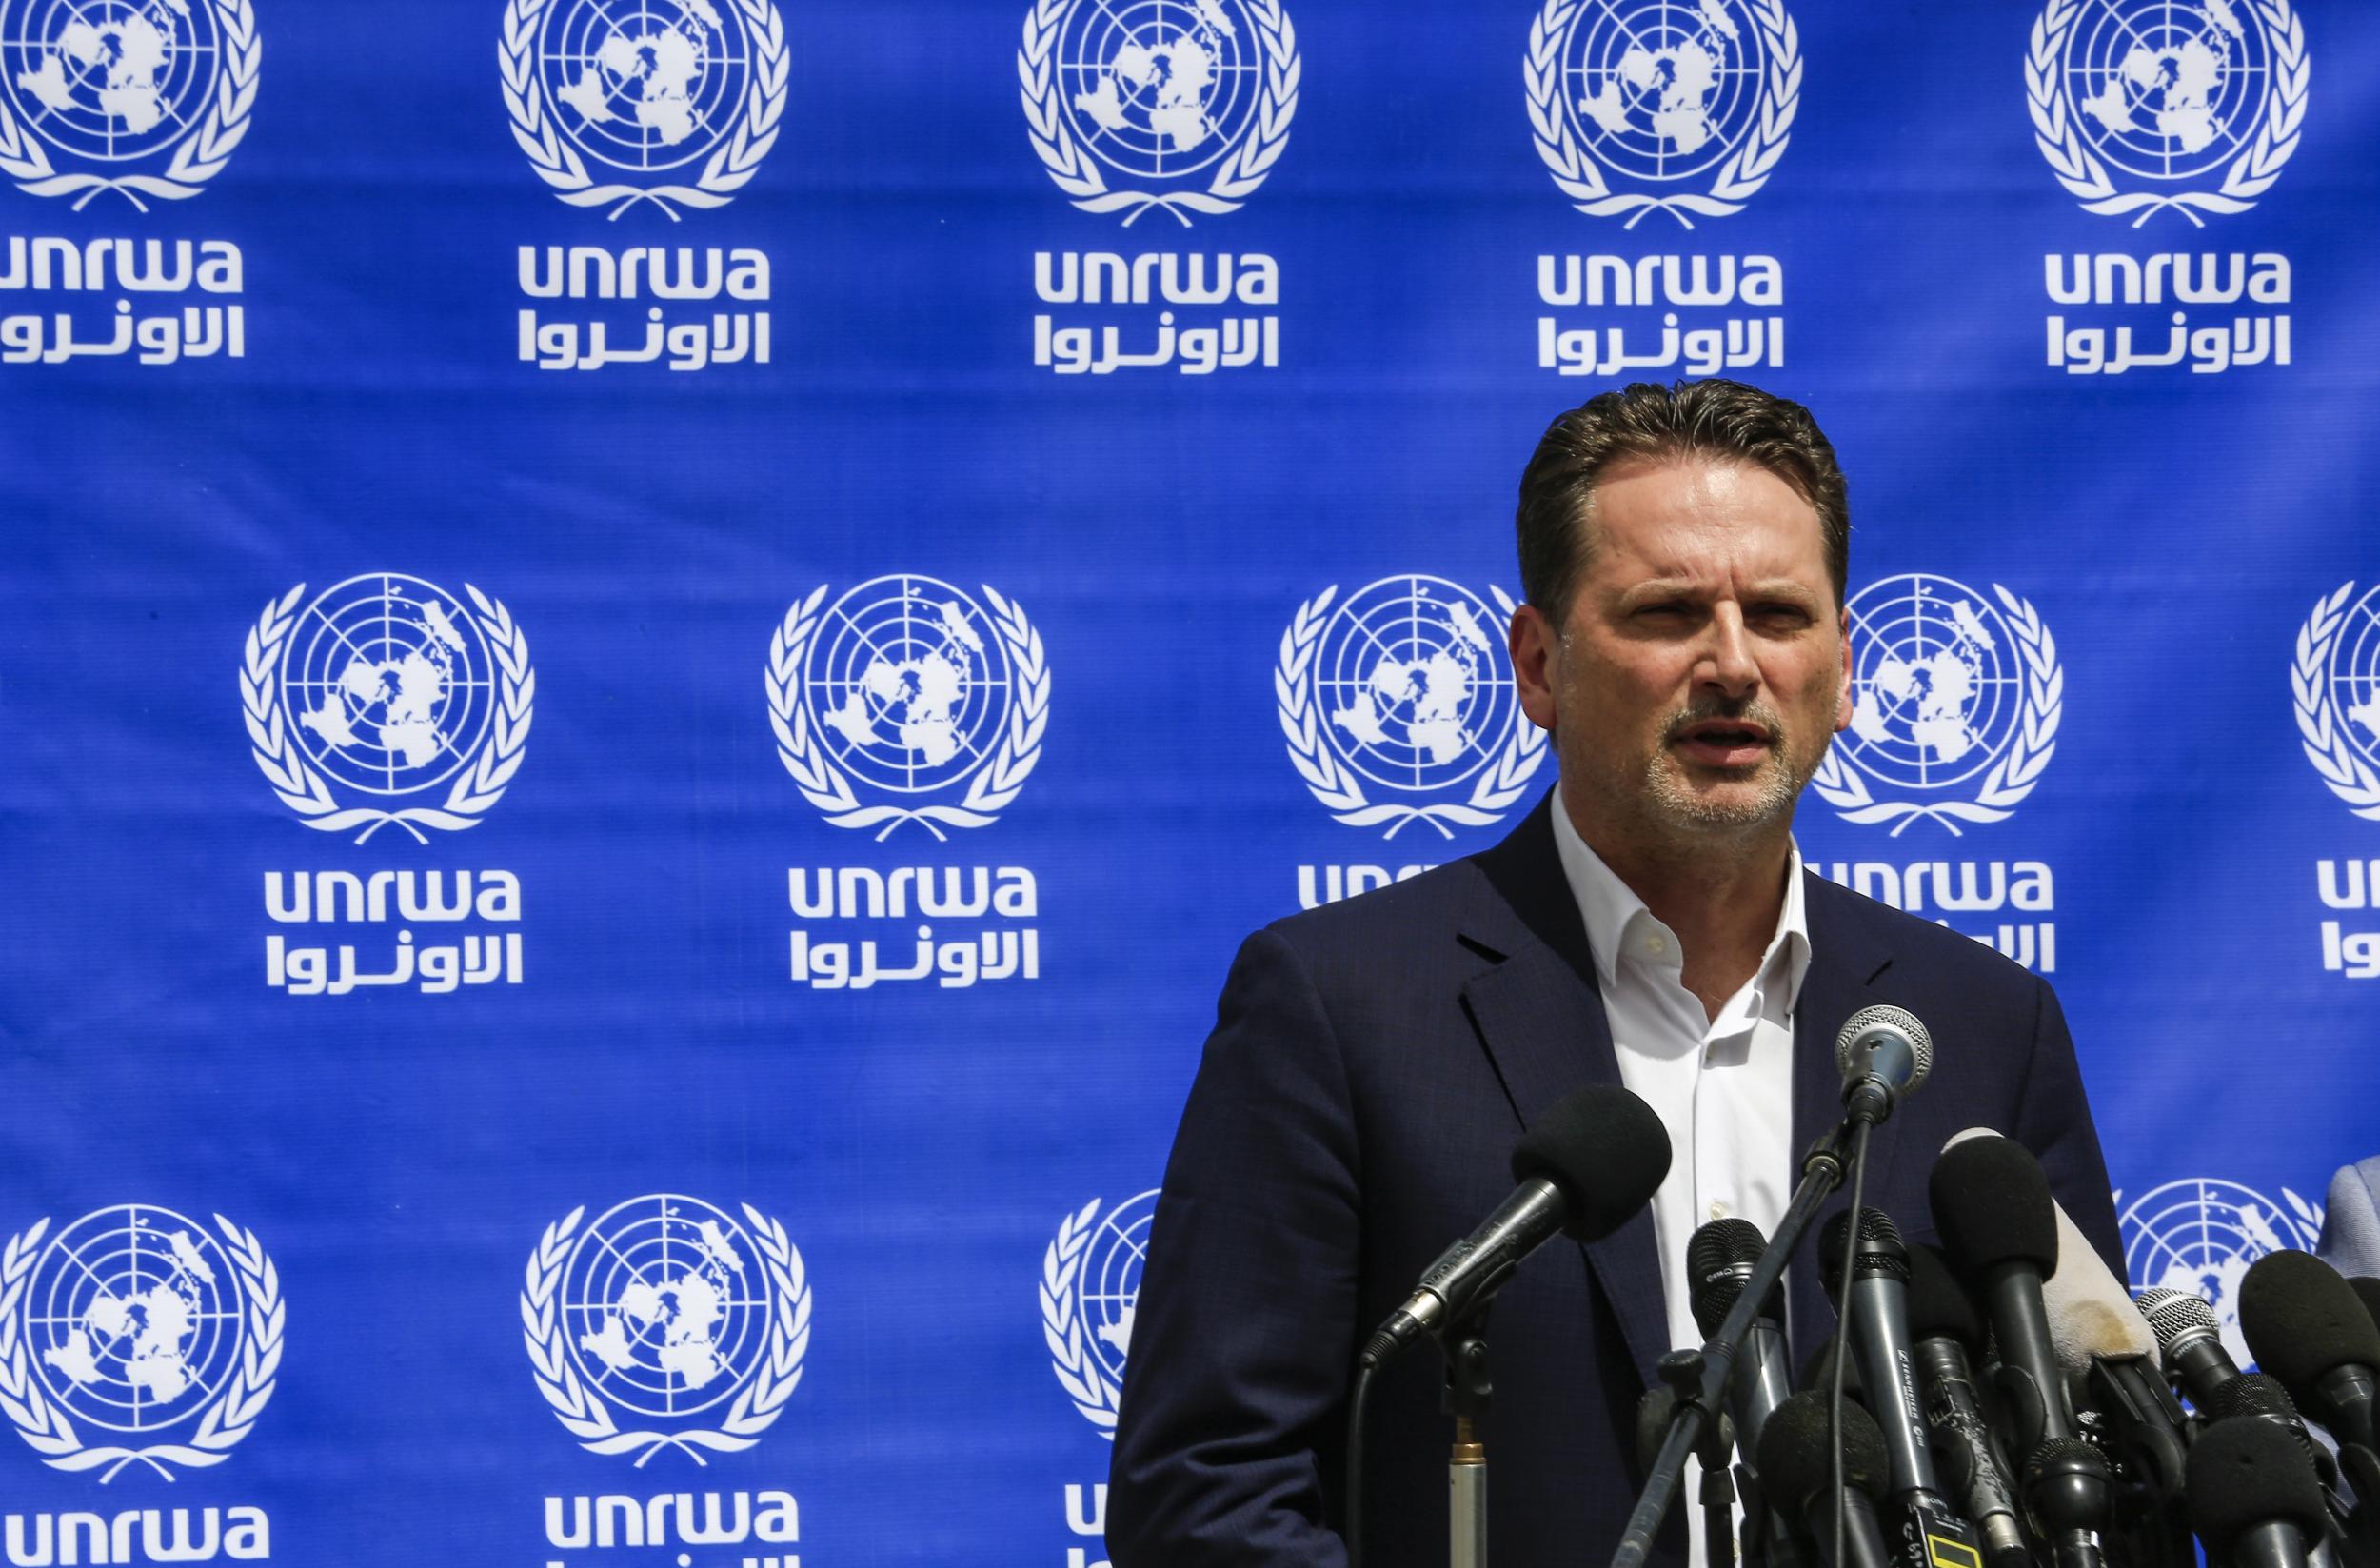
(1722, 1087)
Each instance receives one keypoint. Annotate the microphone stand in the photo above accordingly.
(1822, 1172)
(1468, 1392)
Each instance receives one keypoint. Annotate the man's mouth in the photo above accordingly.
(1724, 742)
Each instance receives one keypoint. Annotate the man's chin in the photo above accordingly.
(1734, 799)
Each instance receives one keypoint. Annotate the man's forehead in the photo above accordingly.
(1691, 522)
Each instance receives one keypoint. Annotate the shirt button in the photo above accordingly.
(1656, 943)
(1719, 1211)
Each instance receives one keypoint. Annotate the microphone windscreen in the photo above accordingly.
(1795, 1459)
(1875, 1226)
(2302, 1318)
(1993, 1205)
(2091, 1313)
(2367, 1290)
(2241, 1473)
(1939, 1308)
(1606, 1150)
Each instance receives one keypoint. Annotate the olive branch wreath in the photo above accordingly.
(2057, 132)
(1074, 169)
(2325, 738)
(197, 157)
(994, 784)
(585, 1415)
(2014, 777)
(47, 1427)
(1070, 1355)
(1339, 788)
(1576, 171)
(273, 737)
(731, 166)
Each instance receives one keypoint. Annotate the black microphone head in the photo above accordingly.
(1939, 1308)
(2243, 1474)
(1880, 1251)
(2175, 1316)
(1993, 1206)
(2250, 1394)
(1719, 1256)
(1606, 1150)
(2067, 1485)
(2302, 1318)
(1795, 1459)
(2367, 1290)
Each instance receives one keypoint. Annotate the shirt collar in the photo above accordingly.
(1610, 908)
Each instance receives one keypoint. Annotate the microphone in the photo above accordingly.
(1874, 1306)
(2254, 1499)
(2186, 1329)
(2071, 1495)
(2260, 1395)
(1796, 1466)
(2114, 1365)
(1883, 1053)
(1944, 1324)
(1592, 1160)
(1719, 1257)
(2308, 1328)
(1999, 1226)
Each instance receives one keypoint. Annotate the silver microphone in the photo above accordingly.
(1882, 1053)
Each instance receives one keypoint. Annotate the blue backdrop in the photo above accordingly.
(654, 650)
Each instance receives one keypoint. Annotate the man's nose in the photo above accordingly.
(1727, 663)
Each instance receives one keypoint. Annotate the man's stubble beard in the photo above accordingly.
(1670, 805)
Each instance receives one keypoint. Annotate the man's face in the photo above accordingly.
(1702, 666)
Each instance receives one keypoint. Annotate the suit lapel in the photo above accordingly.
(1845, 959)
(1540, 1014)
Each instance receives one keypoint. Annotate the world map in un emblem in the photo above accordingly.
(666, 1306)
(1090, 1294)
(2160, 95)
(387, 688)
(2201, 1235)
(143, 97)
(1405, 686)
(2336, 681)
(668, 1310)
(908, 700)
(1633, 99)
(1956, 700)
(674, 101)
(1188, 102)
(140, 1324)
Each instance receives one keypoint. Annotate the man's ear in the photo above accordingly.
(1537, 652)
(1842, 700)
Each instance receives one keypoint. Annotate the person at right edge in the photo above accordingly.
(1683, 557)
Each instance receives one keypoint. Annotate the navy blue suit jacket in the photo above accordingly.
(1372, 1065)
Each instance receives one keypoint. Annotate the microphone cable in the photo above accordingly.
(1843, 1330)
(1353, 1492)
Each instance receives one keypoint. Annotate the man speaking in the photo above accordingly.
(1683, 557)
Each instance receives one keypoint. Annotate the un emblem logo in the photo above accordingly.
(1090, 1289)
(1955, 702)
(2200, 1236)
(2335, 683)
(142, 97)
(663, 1308)
(1631, 102)
(1406, 687)
(1186, 103)
(145, 1327)
(387, 688)
(2138, 104)
(905, 689)
(677, 100)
